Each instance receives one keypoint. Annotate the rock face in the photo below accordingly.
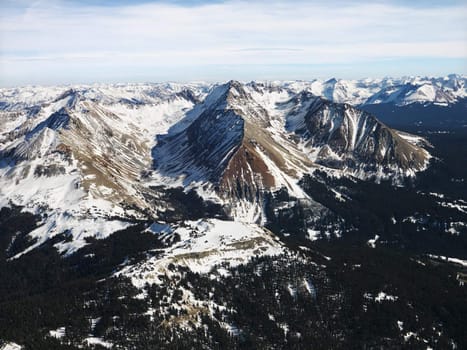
(244, 146)
(230, 144)
(201, 150)
(348, 138)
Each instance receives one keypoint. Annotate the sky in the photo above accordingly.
(46, 42)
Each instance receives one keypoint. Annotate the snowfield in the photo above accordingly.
(205, 245)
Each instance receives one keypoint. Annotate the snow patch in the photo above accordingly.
(313, 235)
(372, 242)
(204, 245)
(57, 333)
(11, 346)
(77, 228)
(448, 259)
(380, 297)
(98, 341)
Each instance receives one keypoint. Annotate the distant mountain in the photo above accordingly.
(400, 92)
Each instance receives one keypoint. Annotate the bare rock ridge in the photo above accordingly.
(77, 134)
(242, 148)
(200, 151)
(347, 137)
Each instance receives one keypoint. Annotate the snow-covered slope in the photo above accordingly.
(441, 91)
(89, 158)
(204, 245)
(78, 157)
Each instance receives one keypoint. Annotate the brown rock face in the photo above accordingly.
(243, 150)
(231, 146)
(246, 174)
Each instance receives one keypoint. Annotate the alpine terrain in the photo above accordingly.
(324, 214)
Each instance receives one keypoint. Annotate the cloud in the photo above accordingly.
(170, 34)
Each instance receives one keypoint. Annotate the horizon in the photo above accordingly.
(71, 42)
(220, 82)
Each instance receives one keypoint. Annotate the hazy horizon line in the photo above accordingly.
(244, 81)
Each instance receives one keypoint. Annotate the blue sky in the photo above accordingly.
(69, 41)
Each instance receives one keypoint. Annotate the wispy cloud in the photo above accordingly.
(43, 36)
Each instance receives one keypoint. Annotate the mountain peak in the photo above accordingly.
(224, 95)
(70, 97)
(237, 145)
(349, 138)
(234, 84)
(235, 92)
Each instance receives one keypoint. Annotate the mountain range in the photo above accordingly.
(83, 154)
(213, 177)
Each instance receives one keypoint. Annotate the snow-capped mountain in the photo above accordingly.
(442, 91)
(79, 162)
(185, 211)
(230, 141)
(109, 152)
(341, 136)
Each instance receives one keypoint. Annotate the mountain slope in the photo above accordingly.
(236, 141)
(79, 165)
(343, 137)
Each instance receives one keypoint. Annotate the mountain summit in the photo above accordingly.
(242, 145)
